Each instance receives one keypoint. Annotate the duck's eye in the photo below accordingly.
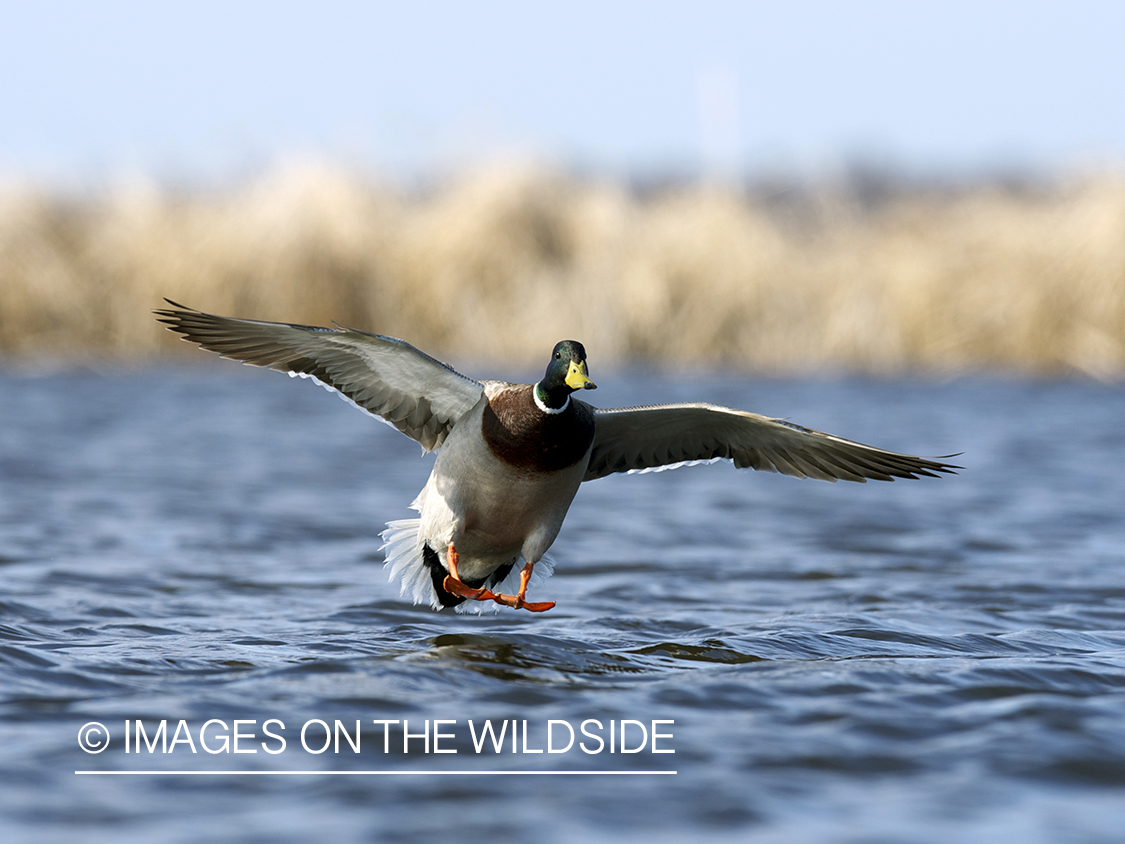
(558, 356)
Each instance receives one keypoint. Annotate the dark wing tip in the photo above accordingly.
(913, 468)
(946, 468)
(179, 309)
(173, 318)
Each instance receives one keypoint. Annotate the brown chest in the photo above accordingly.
(522, 435)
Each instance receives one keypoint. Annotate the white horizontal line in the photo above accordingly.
(380, 773)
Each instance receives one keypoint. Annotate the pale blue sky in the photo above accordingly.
(209, 90)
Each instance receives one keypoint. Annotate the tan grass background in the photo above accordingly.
(500, 263)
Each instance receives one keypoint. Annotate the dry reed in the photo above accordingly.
(501, 263)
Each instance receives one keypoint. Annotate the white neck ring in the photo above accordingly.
(539, 402)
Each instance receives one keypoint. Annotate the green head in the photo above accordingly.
(566, 373)
(568, 366)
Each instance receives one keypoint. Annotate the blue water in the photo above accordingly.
(929, 661)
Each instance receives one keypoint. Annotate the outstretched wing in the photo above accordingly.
(418, 395)
(636, 439)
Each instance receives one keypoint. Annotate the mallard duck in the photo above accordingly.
(512, 456)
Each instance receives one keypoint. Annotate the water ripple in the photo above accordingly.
(912, 662)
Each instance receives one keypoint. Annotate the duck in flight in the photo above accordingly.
(512, 456)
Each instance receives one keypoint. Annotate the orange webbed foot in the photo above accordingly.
(455, 586)
(518, 603)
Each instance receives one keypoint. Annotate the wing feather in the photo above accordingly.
(636, 439)
(418, 395)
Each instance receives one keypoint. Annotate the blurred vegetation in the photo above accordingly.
(501, 263)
